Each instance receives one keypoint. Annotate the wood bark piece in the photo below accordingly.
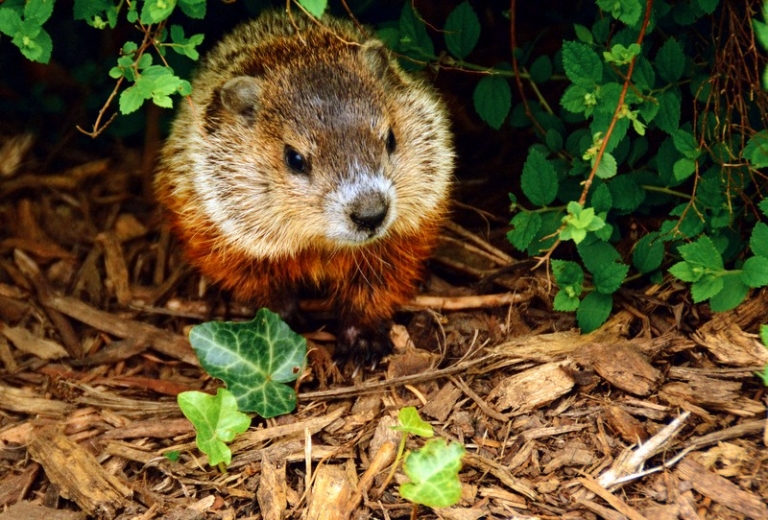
(28, 511)
(531, 389)
(721, 490)
(77, 474)
(621, 365)
(731, 346)
(271, 493)
(712, 393)
(117, 270)
(331, 494)
(22, 400)
(29, 343)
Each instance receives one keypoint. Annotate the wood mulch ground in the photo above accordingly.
(657, 415)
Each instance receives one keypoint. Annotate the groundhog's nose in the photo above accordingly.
(369, 211)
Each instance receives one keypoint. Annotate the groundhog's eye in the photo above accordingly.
(295, 161)
(391, 143)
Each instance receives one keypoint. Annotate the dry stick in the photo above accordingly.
(384, 457)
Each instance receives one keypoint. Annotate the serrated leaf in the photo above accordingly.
(434, 474)
(607, 278)
(684, 272)
(706, 287)
(593, 311)
(576, 99)
(216, 420)
(34, 42)
(410, 422)
(683, 168)
(670, 60)
(570, 279)
(315, 7)
(628, 11)
(754, 272)
(525, 226)
(627, 194)
(10, 22)
(702, 253)
(707, 6)
(539, 179)
(686, 144)
(413, 33)
(462, 30)
(731, 296)
(582, 64)
(565, 303)
(254, 359)
(493, 99)
(758, 241)
(601, 200)
(756, 151)
(648, 253)
(38, 11)
(155, 11)
(596, 252)
(583, 34)
(541, 69)
(668, 116)
(607, 167)
(131, 99)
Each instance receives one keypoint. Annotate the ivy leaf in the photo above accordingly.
(216, 420)
(254, 359)
(525, 226)
(593, 311)
(758, 242)
(493, 99)
(754, 272)
(410, 422)
(434, 474)
(582, 64)
(670, 60)
(539, 179)
(462, 30)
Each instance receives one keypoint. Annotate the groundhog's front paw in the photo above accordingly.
(364, 346)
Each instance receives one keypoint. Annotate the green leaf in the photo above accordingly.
(595, 253)
(668, 116)
(413, 34)
(33, 42)
(216, 421)
(731, 296)
(570, 279)
(541, 69)
(434, 474)
(582, 64)
(601, 200)
(758, 241)
(756, 151)
(707, 6)
(583, 34)
(462, 30)
(702, 253)
(628, 11)
(627, 194)
(607, 278)
(607, 167)
(754, 272)
(706, 287)
(254, 359)
(578, 222)
(764, 334)
(670, 60)
(315, 7)
(577, 99)
(155, 11)
(684, 272)
(131, 99)
(761, 33)
(185, 46)
(493, 99)
(410, 422)
(620, 55)
(593, 311)
(686, 144)
(94, 13)
(525, 226)
(38, 11)
(10, 21)
(648, 253)
(539, 179)
(683, 168)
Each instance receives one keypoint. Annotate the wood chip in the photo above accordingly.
(621, 365)
(629, 428)
(721, 490)
(331, 493)
(29, 343)
(77, 474)
(531, 389)
(271, 493)
(732, 346)
(441, 404)
(117, 271)
(30, 511)
(23, 400)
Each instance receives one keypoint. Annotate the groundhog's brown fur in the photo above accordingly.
(307, 159)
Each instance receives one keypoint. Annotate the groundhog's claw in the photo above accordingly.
(365, 347)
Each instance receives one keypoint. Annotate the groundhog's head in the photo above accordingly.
(322, 144)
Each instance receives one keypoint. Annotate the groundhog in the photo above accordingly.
(306, 159)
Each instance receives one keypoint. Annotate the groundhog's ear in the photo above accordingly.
(377, 58)
(240, 95)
